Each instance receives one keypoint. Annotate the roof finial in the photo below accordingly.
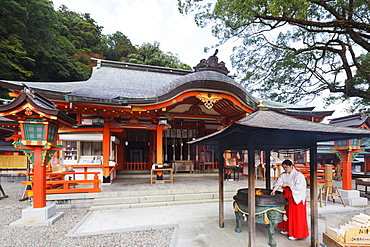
(261, 105)
(212, 64)
(216, 51)
(28, 90)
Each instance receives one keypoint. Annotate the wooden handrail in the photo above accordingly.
(58, 173)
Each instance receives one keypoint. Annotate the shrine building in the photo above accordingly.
(131, 116)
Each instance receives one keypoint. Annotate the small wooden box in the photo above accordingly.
(330, 242)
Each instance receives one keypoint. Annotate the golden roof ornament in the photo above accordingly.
(209, 99)
(261, 106)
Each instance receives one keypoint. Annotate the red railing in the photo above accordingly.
(136, 166)
(145, 166)
(320, 173)
(56, 184)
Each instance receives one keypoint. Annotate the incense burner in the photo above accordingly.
(269, 209)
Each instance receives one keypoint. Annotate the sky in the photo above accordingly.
(159, 20)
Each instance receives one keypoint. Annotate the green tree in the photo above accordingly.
(13, 57)
(40, 44)
(44, 43)
(81, 30)
(118, 47)
(150, 54)
(297, 49)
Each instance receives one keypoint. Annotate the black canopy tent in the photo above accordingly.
(267, 130)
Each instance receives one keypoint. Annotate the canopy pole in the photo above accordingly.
(221, 206)
(251, 197)
(313, 196)
(268, 167)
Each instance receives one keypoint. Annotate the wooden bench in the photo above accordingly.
(362, 181)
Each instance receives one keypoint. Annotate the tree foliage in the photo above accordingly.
(39, 43)
(118, 47)
(150, 54)
(296, 49)
(36, 45)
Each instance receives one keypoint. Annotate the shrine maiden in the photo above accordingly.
(294, 185)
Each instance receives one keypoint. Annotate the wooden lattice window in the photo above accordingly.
(52, 133)
(34, 132)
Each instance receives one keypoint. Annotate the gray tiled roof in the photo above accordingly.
(268, 124)
(272, 120)
(278, 105)
(355, 120)
(114, 80)
(110, 83)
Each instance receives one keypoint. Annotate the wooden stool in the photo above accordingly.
(320, 194)
(329, 192)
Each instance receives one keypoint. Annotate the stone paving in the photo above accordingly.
(195, 225)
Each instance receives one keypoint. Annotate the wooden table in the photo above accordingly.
(161, 169)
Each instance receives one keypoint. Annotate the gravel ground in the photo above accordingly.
(54, 235)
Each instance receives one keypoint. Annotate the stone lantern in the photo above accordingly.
(39, 122)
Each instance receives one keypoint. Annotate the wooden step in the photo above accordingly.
(158, 200)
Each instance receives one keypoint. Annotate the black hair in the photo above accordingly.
(287, 162)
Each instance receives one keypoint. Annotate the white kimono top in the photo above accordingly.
(297, 184)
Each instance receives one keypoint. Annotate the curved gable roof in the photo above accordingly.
(118, 80)
(37, 103)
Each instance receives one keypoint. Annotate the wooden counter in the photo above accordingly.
(183, 165)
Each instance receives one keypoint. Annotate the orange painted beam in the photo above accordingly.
(72, 130)
(79, 130)
(106, 110)
(183, 96)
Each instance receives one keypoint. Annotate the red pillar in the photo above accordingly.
(121, 155)
(366, 164)
(347, 170)
(39, 180)
(159, 144)
(152, 139)
(106, 151)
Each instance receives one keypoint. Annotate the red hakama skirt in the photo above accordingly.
(296, 225)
